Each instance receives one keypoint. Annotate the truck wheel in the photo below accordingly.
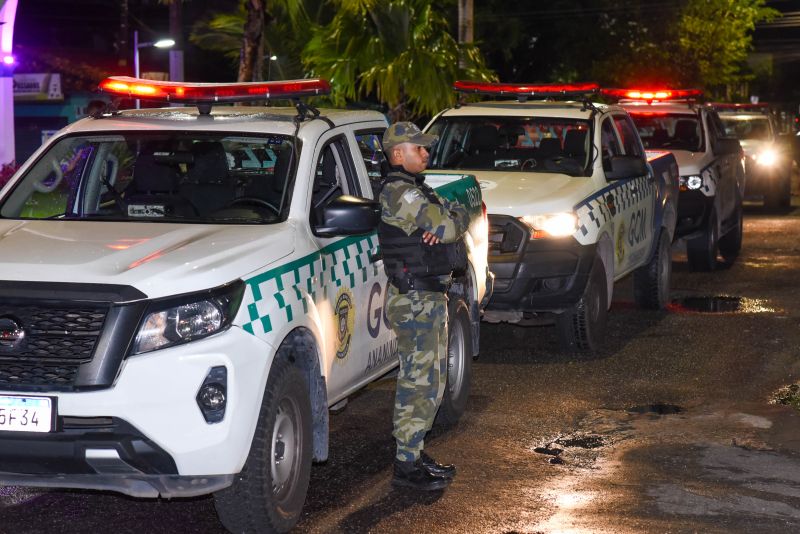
(731, 243)
(702, 251)
(779, 194)
(459, 364)
(582, 328)
(651, 281)
(786, 193)
(268, 494)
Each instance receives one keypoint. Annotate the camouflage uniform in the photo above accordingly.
(418, 317)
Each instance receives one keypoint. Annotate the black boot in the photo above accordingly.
(435, 468)
(414, 475)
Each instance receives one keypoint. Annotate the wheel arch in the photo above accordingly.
(301, 350)
(605, 251)
(465, 286)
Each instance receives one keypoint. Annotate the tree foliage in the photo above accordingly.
(287, 28)
(714, 38)
(640, 42)
(398, 51)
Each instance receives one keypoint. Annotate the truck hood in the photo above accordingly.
(527, 193)
(158, 259)
(690, 162)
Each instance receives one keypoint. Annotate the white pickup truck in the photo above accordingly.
(575, 203)
(711, 165)
(186, 291)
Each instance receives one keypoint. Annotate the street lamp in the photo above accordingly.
(269, 66)
(161, 43)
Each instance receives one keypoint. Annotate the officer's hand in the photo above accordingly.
(430, 239)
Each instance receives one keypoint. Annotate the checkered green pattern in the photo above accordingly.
(278, 296)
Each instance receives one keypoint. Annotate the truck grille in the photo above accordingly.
(57, 340)
(506, 235)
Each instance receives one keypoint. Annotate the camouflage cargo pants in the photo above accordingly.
(419, 319)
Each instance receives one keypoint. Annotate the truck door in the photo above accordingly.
(724, 166)
(346, 275)
(371, 166)
(635, 199)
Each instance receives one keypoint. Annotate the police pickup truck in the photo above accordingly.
(711, 165)
(185, 292)
(575, 203)
(767, 153)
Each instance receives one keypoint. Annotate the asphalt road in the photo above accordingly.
(670, 428)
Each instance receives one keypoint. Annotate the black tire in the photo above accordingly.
(702, 251)
(651, 281)
(268, 495)
(731, 243)
(459, 364)
(581, 329)
(779, 194)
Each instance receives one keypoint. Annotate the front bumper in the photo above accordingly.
(762, 180)
(146, 435)
(693, 210)
(532, 276)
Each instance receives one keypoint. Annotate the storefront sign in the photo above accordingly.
(37, 87)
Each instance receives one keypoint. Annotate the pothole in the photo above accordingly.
(787, 395)
(658, 409)
(583, 442)
(549, 451)
(719, 304)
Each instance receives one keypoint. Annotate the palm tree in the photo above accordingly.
(400, 51)
(287, 24)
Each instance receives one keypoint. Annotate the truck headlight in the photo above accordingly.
(767, 157)
(177, 320)
(693, 181)
(551, 225)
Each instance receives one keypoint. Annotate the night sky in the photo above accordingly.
(90, 28)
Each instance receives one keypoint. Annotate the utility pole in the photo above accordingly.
(123, 53)
(176, 73)
(466, 34)
(8, 11)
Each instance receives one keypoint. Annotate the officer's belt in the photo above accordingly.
(419, 284)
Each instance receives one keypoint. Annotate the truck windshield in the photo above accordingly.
(163, 177)
(671, 131)
(744, 127)
(521, 144)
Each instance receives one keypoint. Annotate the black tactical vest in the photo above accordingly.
(410, 263)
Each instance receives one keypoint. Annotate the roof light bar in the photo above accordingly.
(210, 93)
(725, 106)
(519, 89)
(653, 94)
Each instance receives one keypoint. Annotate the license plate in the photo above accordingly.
(26, 414)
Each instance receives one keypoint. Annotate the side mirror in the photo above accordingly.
(728, 145)
(348, 215)
(624, 167)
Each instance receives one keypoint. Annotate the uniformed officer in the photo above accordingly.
(420, 236)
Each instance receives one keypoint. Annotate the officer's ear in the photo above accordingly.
(395, 155)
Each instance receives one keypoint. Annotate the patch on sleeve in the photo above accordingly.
(412, 195)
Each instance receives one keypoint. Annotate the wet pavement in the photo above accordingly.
(687, 421)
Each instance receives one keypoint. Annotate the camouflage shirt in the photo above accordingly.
(403, 205)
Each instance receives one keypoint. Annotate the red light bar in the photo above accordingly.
(209, 93)
(653, 94)
(521, 89)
